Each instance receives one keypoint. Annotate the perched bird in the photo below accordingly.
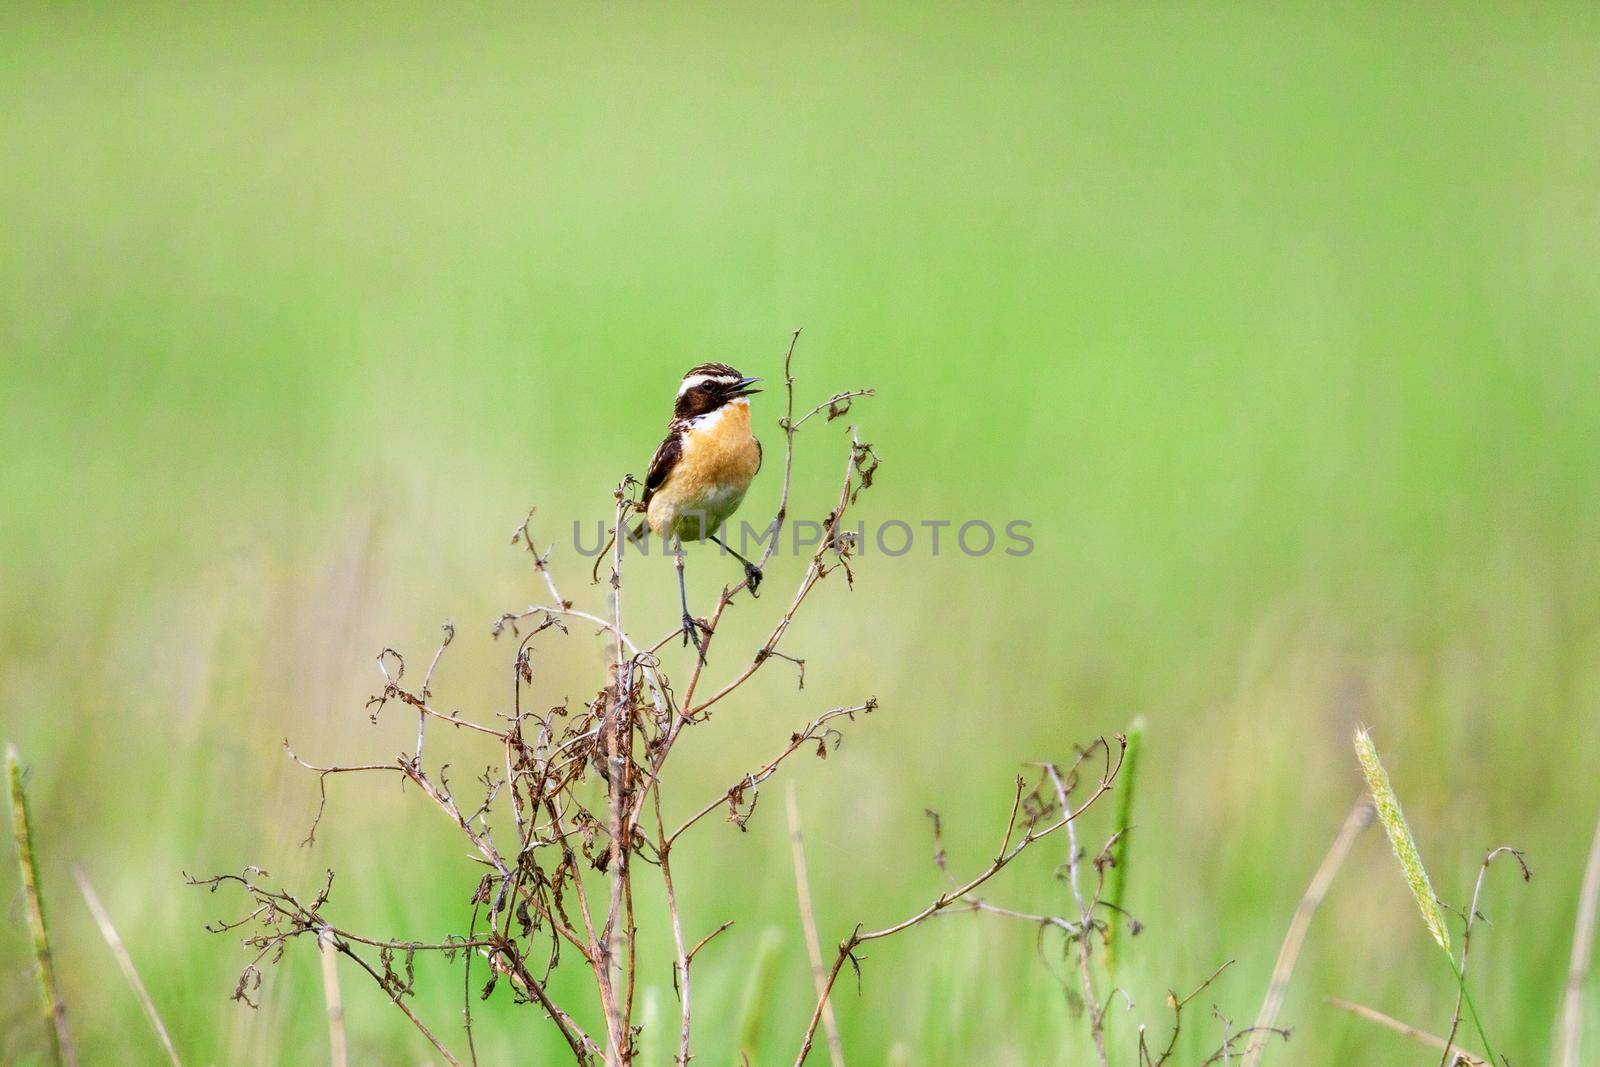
(699, 475)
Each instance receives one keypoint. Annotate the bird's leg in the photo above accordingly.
(691, 626)
(752, 573)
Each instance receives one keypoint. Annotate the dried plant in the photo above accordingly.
(582, 791)
(1038, 810)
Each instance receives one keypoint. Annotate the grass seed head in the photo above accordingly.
(1405, 846)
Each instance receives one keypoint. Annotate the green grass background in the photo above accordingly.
(1280, 323)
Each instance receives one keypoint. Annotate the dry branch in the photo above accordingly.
(1040, 821)
(1085, 920)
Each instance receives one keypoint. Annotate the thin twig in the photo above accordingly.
(808, 922)
(816, 569)
(816, 731)
(395, 997)
(1091, 1003)
(1008, 853)
(706, 940)
(1360, 818)
(119, 951)
(1466, 946)
(682, 957)
(427, 679)
(1177, 1004)
(577, 1040)
(1570, 1040)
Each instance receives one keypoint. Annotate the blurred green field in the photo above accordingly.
(1280, 325)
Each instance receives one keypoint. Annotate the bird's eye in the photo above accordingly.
(706, 387)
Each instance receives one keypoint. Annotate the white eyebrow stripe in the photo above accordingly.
(699, 379)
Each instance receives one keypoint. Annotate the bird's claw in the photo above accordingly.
(691, 633)
(752, 577)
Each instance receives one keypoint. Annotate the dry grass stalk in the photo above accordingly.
(54, 1007)
(1462, 1056)
(808, 922)
(1359, 819)
(113, 940)
(338, 1042)
(1569, 1040)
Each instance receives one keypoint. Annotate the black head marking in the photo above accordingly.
(709, 386)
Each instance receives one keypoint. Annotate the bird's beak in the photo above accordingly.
(744, 387)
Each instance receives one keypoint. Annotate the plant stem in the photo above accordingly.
(55, 1009)
(1472, 1010)
(1124, 827)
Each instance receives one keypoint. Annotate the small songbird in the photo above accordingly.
(699, 475)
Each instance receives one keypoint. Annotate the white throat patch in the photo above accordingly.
(710, 419)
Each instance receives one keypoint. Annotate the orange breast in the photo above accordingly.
(707, 484)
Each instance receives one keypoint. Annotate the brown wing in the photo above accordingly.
(760, 454)
(661, 464)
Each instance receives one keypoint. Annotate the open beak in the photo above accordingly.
(744, 387)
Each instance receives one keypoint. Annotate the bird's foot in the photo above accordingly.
(752, 577)
(692, 628)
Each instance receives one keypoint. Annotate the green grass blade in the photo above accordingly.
(757, 995)
(1119, 871)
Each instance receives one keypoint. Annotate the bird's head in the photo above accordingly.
(709, 386)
